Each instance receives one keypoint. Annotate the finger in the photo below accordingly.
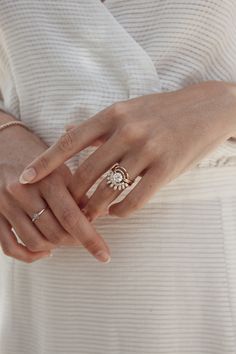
(26, 230)
(94, 166)
(70, 143)
(72, 219)
(94, 143)
(12, 248)
(31, 202)
(104, 194)
(152, 181)
(83, 201)
(51, 229)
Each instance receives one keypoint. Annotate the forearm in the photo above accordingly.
(16, 133)
(230, 99)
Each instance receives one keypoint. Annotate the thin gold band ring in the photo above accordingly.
(36, 216)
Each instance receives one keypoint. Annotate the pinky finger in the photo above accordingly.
(12, 248)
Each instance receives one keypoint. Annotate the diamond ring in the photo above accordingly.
(36, 216)
(118, 177)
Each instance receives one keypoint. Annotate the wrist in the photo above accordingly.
(230, 100)
(217, 100)
(14, 123)
(8, 121)
(6, 117)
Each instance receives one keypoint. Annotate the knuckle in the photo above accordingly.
(5, 203)
(92, 244)
(84, 172)
(131, 205)
(55, 178)
(66, 141)
(129, 133)
(69, 218)
(149, 149)
(92, 210)
(118, 109)
(51, 183)
(14, 188)
(64, 239)
(35, 245)
(28, 259)
(122, 213)
(3, 192)
(163, 165)
(55, 238)
(11, 251)
(7, 249)
(42, 163)
(47, 187)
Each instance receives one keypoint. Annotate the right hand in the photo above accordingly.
(62, 223)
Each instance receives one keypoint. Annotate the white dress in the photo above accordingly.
(171, 285)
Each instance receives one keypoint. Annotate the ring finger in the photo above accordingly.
(26, 231)
(90, 170)
(104, 195)
(47, 223)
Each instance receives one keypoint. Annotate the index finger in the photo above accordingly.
(71, 142)
(75, 222)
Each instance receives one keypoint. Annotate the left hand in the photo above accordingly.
(156, 136)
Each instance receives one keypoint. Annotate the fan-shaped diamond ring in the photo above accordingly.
(118, 177)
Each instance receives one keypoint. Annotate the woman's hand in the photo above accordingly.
(62, 223)
(156, 136)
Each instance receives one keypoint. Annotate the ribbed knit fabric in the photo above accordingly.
(170, 287)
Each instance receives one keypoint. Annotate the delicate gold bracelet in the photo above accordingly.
(14, 122)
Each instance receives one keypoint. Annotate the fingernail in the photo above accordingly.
(27, 175)
(103, 256)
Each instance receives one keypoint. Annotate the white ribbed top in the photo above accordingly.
(89, 54)
(170, 287)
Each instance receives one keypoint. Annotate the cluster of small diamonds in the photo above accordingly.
(116, 179)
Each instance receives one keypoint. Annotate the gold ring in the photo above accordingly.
(118, 177)
(36, 216)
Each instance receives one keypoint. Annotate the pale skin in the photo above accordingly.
(61, 224)
(156, 137)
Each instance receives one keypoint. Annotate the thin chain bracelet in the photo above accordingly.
(14, 122)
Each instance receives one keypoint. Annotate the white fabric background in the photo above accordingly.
(170, 287)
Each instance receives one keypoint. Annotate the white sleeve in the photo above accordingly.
(2, 107)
